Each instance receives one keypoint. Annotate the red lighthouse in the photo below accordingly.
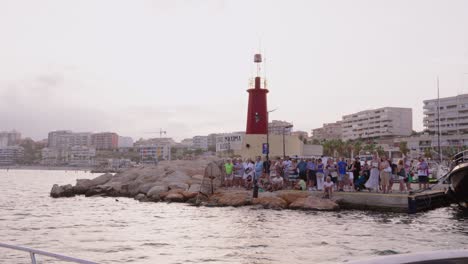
(257, 118)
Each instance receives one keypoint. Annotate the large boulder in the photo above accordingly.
(292, 196)
(178, 186)
(155, 191)
(230, 198)
(194, 188)
(189, 195)
(270, 202)
(83, 185)
(62, 191)
(101, 190)
(175, 197)
(314, 203)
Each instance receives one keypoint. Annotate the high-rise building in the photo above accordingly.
(9, 138)
(453, 112)
(105, 140)
(381, 122)
(328, 131)
(55, 137)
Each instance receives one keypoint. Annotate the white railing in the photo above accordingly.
(34, 252)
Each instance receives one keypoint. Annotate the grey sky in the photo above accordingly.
(136, 66)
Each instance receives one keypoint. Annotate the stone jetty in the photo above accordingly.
(191, 181)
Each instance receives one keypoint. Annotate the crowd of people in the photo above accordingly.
(326, 174)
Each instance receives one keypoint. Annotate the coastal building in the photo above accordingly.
(125, 142)
(9, 138)
(105, 141)
(278, 127)
(381, 122)
(81, 156)
(328, 131)
(300, 134)
(154, 153)
(50, 156)
(10, 155)
(64, 139)
(211, 140)
(55, 137)
(453, 115)
(200, 142)
(155, 141)
(187, 142)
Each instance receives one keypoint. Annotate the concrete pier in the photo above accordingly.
(393, 202)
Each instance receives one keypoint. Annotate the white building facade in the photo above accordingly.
(200, 142)
(125, 142)
(278, 127)
(453, 113)
(381, 122)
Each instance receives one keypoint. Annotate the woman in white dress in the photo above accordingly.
(373, 182)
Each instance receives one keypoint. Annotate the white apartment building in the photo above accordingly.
(278, 127)
(81, 156)
(9, 155)
(9, 138)
(200, 142)
(328, 131)
(125, 142)
(381, 122)
(453, 113)
(64, 139)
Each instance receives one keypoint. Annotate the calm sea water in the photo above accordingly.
(125, 231)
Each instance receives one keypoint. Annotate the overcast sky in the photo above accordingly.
(134, 67)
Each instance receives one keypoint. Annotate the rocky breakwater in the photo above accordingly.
(174, 181)
(286, 199)
(196, 181)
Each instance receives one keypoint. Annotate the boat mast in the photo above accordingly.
(438, 121)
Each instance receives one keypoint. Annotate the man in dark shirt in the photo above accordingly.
(356, 168)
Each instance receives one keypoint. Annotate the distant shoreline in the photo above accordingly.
(39, 167)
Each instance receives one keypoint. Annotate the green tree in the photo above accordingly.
(380, 150)
(428, 153)
(404, 148)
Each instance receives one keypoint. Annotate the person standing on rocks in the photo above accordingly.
(302, 166)
(258, 168)
(342, 166)
(385, 172)
(373, 182)
(238, 173)
(320, 174)
(229, 169)
(249, 171)
(311, 173)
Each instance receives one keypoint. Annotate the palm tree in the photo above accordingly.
(380, 150)
(369, 147)
(404, 148)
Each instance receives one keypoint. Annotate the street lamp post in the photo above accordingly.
(255, 188)
(284, 143)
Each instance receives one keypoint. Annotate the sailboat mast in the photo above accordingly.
(438, 120)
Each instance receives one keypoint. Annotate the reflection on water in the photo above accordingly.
(107, 230)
